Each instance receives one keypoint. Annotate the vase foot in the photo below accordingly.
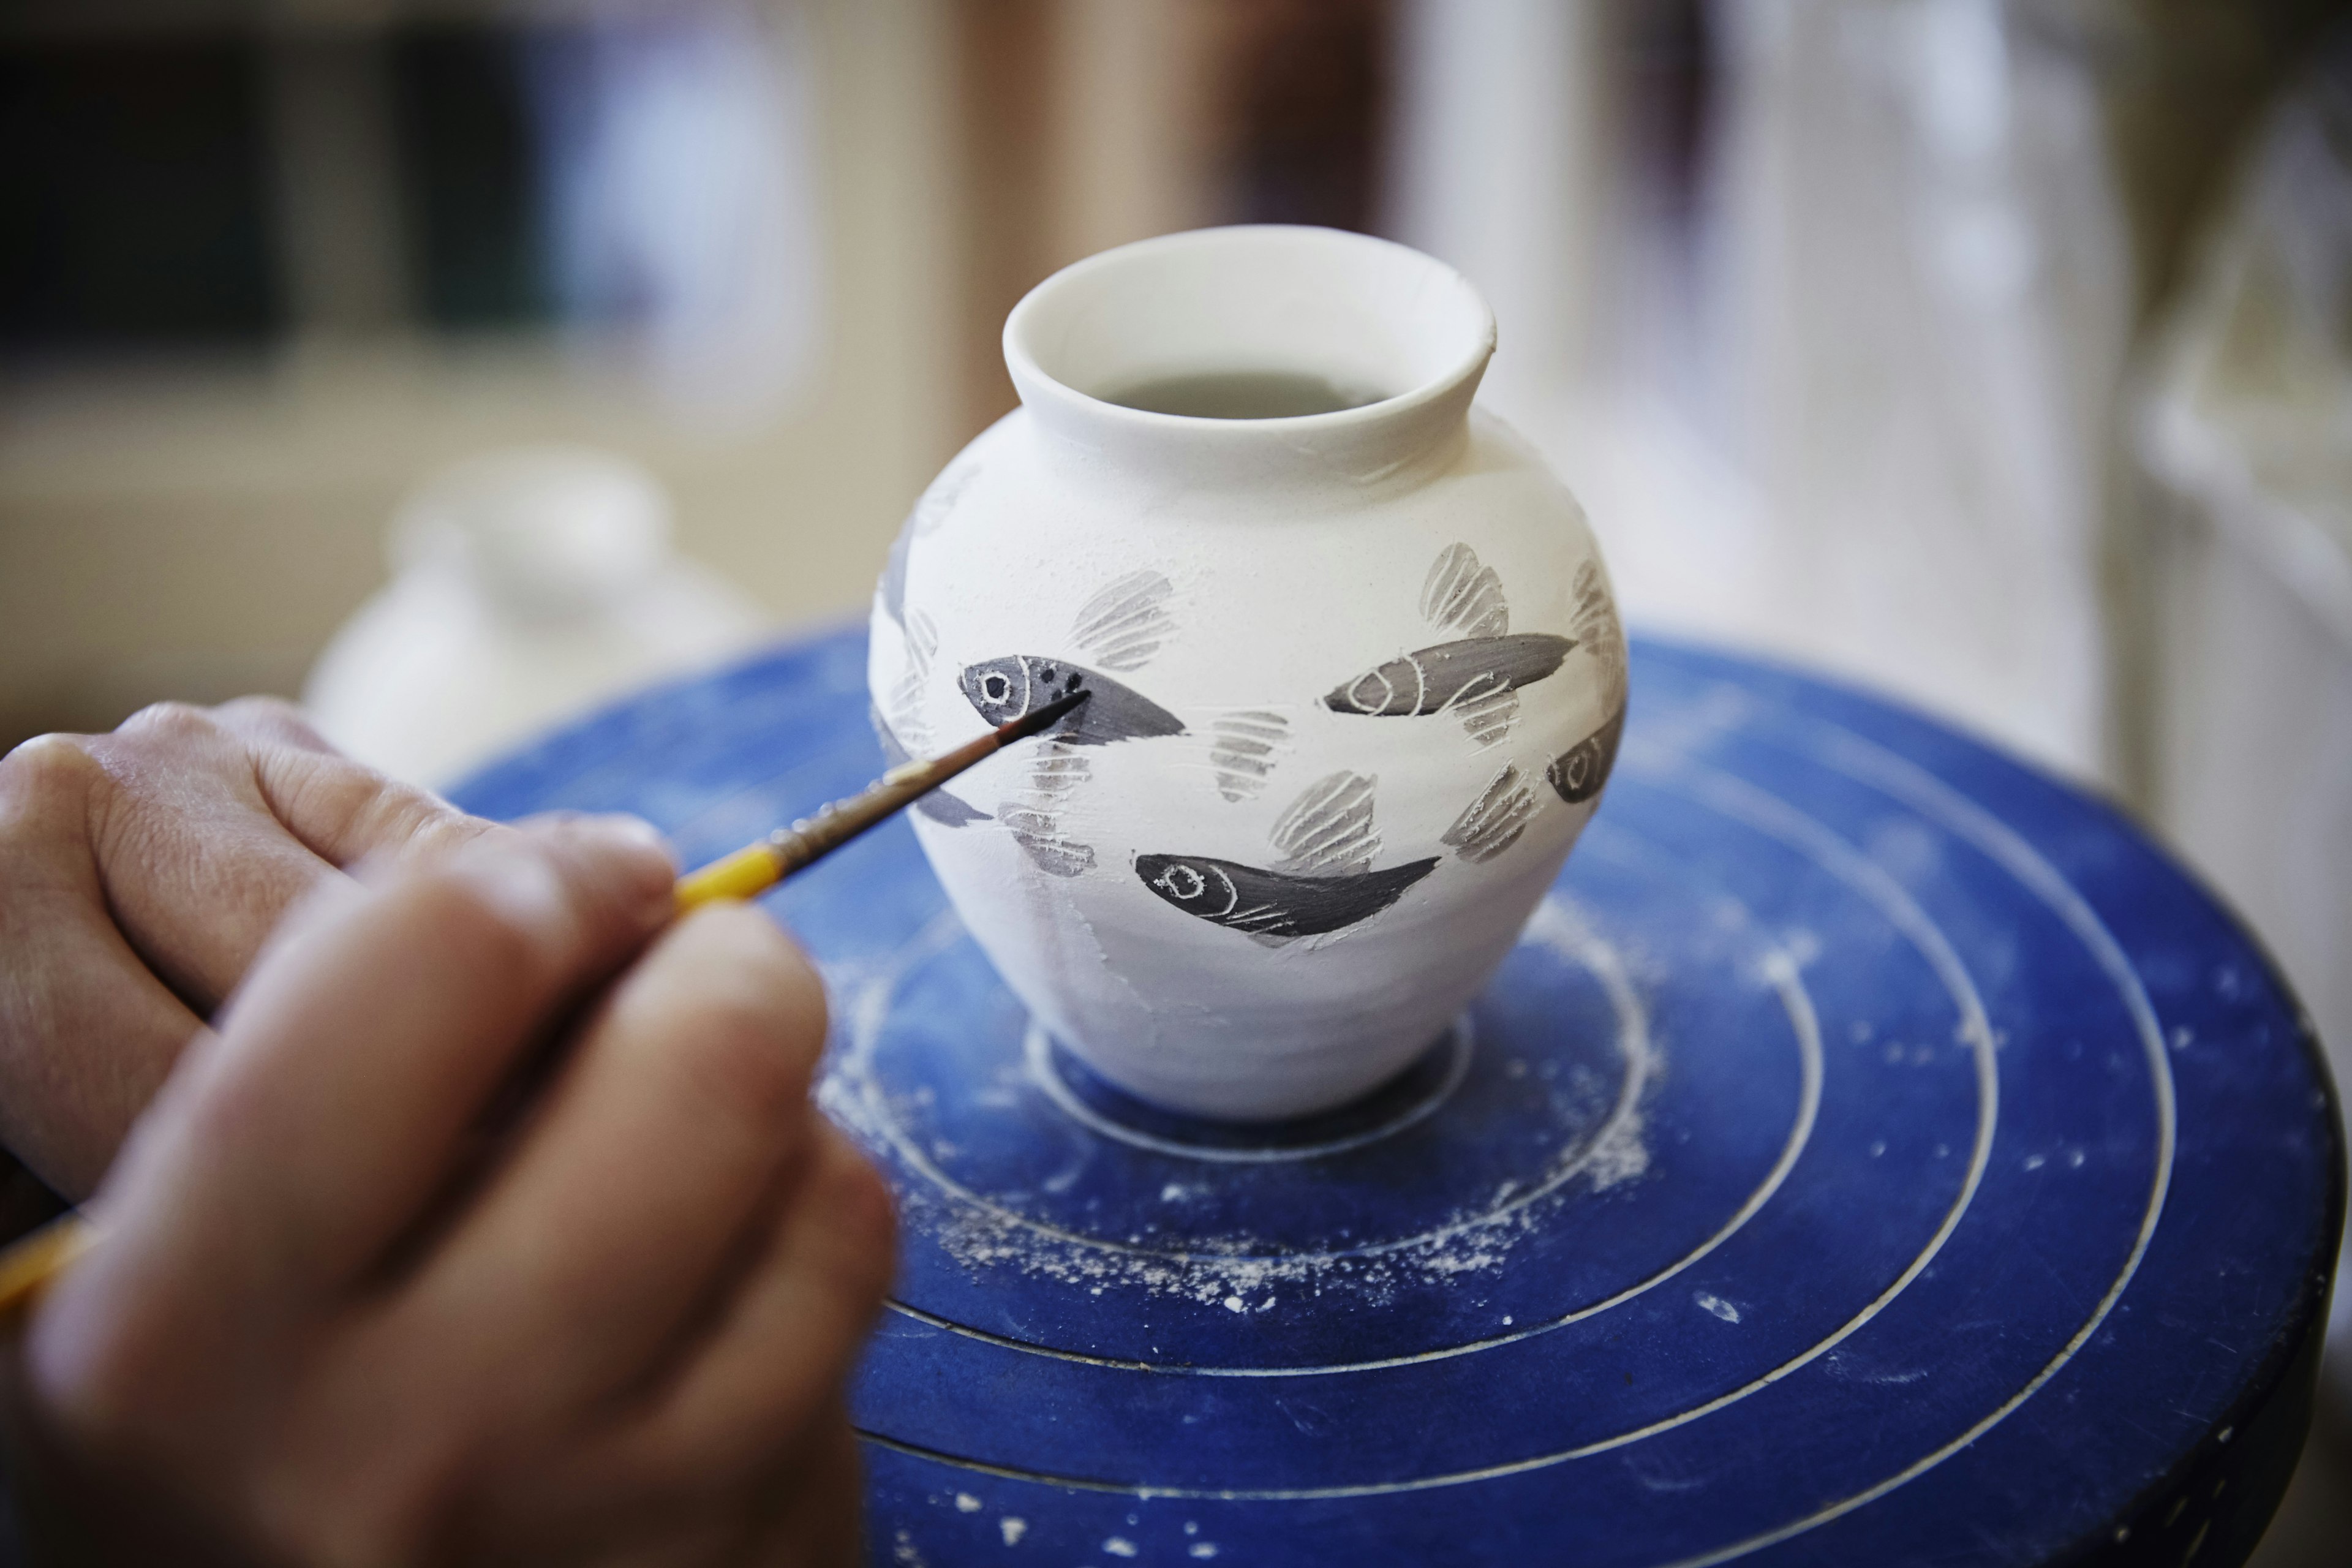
(1087, 1097)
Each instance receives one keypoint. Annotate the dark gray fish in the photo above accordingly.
(1579, 772)
(1269, 904)
(1003, 690)
(1431, 680)
(941, 808)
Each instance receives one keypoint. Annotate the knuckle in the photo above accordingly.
(46, 771)
(429, 828)
(264, 711)
(170, 721)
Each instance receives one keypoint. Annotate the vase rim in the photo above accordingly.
(1347, 308)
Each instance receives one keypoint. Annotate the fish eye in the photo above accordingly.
(1372, 692)
(1181, 882)
(994, 686)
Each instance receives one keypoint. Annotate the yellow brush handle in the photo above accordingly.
(27, 1267)
(746, 874)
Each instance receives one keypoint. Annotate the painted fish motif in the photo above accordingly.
(929, 512)
(1492, 823)
(1272, 904)
(946, 809)
(1322, 881)
(1244, 749)
(1578, 772)
(1125, 623)
(1003, 690)
(1594, 622)
(1431, 680)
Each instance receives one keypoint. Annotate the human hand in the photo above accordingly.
(345, 1314)
(140, 872)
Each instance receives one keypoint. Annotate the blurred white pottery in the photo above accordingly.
(529, 585)
(1358, 674)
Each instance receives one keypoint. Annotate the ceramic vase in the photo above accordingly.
(1356, 673)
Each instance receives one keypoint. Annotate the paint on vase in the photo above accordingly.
(1327, 831)
(1433, 679)
(1475, 677)
(1124, 625)
(1244, 747)
(1578, 772)
(1264, 904)
(1492, 823)
(930, 511)
(1462, 596)
(917, 646)
(1594, 621)
(905, 733)
(942, 807)
(1321, 881)
(1035, 816)
(1003, 690)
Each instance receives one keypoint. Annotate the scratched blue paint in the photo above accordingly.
(1878, 1153)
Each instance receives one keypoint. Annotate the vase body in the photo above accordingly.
(1356, 675)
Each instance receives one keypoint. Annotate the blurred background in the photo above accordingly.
(462, 364)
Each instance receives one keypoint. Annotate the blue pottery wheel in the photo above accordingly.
(1874, 1153)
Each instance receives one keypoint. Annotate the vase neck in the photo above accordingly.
(1186, 359)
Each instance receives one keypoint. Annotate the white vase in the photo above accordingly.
(1356, 674)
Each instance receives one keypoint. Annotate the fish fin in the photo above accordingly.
(1123, 626)
(1056, 768)
(1327, 831)
(894, 750)
(890, 589)
(931, 509)
(1244, 748)
(1594, 621)
(949, 810)
(1492, 823)
(1487, 716)
(939, 498)
(1034, 817)
(1462, 596)
(907, 691)
(1039, 833)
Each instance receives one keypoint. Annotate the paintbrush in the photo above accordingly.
(759, 867)
(28, 1266)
